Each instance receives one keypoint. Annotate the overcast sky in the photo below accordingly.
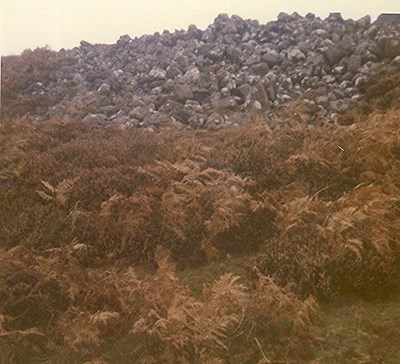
(63, 23)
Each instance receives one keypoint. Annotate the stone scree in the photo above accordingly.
(216, 76)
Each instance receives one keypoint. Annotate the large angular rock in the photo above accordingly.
(124, 40)
(244, 91)
(225, 104)
(337, 51)
(225, 24)
(271, 58)
(182, 92)
(387, 47)
(234, 53)
(260, 69)
(353, 63)
(259, 94)
(155, 119)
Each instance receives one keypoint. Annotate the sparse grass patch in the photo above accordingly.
(355, 331)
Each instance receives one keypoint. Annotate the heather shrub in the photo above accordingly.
(253, 150)
(381, 93)
(24, 81)
(292, 155)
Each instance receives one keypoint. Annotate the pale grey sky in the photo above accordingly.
(63, 23)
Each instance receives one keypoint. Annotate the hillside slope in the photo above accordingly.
(108, 236)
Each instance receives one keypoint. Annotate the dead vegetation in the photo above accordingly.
(25, 81)
(84, 208)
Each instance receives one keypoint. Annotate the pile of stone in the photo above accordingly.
(216, 76)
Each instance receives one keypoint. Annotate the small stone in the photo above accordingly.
(257, 105)
(124, 40)
(191, 76)
(155, 119)
(104, 89)
(193, 105)
(396, 61)
(84, 43)
(120, 120)
(329, 79)
(321, 100)
(95, 118)
(158, 74)
(253, 59)
(295, 55)
(339, 70)
(214, 119)
(228, 103)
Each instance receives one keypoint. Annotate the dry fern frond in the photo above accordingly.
(356, 246)
(296, 212)
(11, 339)
(105, 318)
(44, 195)
(60, 193)
(64, 189)
(84, 331)
(78, 330)
(50, 187)
(96, 361)
(277, 306)
(228, 290)
(192, 328)
(164, 260)
(344, 219)
(228, 213)
(159, 171)
(106, 206)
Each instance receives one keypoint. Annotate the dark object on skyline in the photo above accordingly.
(389, 19)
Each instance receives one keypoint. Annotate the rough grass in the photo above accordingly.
(355, 331)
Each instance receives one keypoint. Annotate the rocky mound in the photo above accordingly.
(218, 75)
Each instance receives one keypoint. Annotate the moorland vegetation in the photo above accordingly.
(101, 229)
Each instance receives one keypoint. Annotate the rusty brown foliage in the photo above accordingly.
(84, 208)
(20, 92)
